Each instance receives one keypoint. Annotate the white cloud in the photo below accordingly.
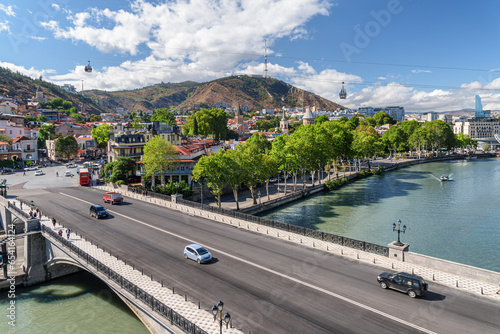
(421, 71)
(7, 10)
(4, 26)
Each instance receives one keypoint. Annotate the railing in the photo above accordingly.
(340, 240)
(175, 318)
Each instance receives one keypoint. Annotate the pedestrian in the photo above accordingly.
(60, 233)
(31, 214)
(68, 233)
(24, 173)
(54, 222)
(144, 193)
(57, 174)
(37, 212)
(21, 205)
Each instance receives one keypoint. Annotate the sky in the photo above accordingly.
(424, 55)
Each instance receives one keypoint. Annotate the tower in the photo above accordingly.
(238, 116)
(479, 107)
(308, 117)
(284, 123)
(39, 94)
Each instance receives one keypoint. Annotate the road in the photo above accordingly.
(267, 285)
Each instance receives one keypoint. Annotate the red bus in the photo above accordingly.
(84, 177)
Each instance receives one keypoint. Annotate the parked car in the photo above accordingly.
(71, 166)
(67, 173)
(410, 284)
(39, 173)
(197, 253)
(98, 211)
(31, 168)
(112, 197)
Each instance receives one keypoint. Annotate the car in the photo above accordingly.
(98, 211)
(197, 253)
(39, 172)
(410, 284)
(67, 173)
(31, 168)
(71, 166)
(112, 197)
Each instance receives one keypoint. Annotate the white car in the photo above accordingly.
(31, 168)
(67, 173)
(39, 172)
(71, 166)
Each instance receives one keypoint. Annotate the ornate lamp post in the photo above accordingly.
(217, 309)
(399, 230)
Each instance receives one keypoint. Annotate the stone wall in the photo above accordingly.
(455, 268)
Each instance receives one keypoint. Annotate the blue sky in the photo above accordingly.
(424, 55)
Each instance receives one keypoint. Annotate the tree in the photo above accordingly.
(101, 134)
(95, 118)
(46, 131)
(57, 103)
(211, 122)
(260, 142)
(66, 146)
(67, 105)
(383, 118)
(164, 115)
(321, 119)
(119, 169)
(209, 168)
(42, 118)
(5, 139)
(159, 156)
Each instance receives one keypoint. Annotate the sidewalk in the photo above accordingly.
(433, 276)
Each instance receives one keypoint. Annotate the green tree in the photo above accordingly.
(119, 169)
(42, 118)
(321, 119)
(56, 103)
(164, 115)
(383, 118)
(66, 146)
(5, 139)
(209, 167)
(159, 157)
(95, 118)
(46, 131)
(260, 142)
(67, 105)
(211, 122)
(101, 134)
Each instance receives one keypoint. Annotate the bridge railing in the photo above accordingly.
(324, 236)
(340, 240)
(157, 306)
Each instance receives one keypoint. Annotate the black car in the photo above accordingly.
(410, 284)
(98, 211)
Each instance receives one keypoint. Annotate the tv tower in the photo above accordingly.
(265, 59)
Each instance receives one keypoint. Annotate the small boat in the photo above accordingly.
(444, 178)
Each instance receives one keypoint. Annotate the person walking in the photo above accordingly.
(68, 231)
(24, 173)
(57, 174)
(60, 233)
(54, 222)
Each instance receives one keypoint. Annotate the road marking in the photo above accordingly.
(309, 285)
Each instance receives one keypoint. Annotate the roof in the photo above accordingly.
(308, 114)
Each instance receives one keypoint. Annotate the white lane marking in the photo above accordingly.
(333, 294)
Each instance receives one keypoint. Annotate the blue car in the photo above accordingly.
(197, 253)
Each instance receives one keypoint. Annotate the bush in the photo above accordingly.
(379, 171)
(334, 184)
(119, 182)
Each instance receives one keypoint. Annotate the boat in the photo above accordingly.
(444, 178)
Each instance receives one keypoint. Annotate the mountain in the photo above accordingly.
(254, 92)
(242, 90)
(22, 87)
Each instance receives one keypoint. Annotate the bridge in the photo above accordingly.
(260, 270)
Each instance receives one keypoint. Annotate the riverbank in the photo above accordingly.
(277, 196)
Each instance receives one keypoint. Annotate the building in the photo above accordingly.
(39, 94)
(397, 113)
(482, 129)
(430, 116)
(284, 124)
(68, 129)
(28, 147)
(308, 117)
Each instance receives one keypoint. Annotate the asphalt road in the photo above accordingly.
(267, 285)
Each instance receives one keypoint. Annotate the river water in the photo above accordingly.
(458, 220)
(74, 304)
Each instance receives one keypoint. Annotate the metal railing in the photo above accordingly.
(337, 239)
(157, 306)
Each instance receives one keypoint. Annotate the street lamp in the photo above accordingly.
(217, 309)
(398, 243)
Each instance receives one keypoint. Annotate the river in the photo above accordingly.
(74, 304)
(456, 220)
